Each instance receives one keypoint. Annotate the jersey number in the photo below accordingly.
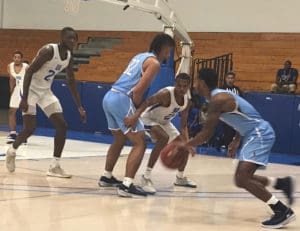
(50, 74)
(131, 66)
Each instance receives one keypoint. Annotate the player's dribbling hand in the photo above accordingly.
(82, 114)
(183, 147)
(23, 105)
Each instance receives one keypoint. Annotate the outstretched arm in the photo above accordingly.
(161, 98)
(72, 86)
(214, 112)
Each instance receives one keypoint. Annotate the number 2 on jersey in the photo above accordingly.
(131, 66)
(50, 74)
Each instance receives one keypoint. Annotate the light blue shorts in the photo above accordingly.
(117, 106)
(257, 145)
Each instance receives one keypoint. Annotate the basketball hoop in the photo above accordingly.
(71, 6)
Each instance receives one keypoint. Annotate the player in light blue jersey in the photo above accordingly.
(256, 137)
(121, 101)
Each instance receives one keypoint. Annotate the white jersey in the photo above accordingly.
(43, 78)
(163, 115)
(19, 77)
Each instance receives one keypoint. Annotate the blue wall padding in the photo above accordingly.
(164, 78)
(71, 114)
(295, 134)
(278, 110)
(92, 96)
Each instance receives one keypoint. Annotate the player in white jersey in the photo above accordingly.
(50, 60)
(156, 113)
(16, 71)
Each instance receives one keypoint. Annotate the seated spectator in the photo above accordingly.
(286, 79)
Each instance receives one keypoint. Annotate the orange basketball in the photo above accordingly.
(172, 160)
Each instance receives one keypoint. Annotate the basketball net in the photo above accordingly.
(71, 6)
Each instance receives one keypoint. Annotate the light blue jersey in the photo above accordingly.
(258, 135)
(117, 103)
(133, 73)
(244, 118)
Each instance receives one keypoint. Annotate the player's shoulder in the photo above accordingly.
(221, 98)
(47, 51)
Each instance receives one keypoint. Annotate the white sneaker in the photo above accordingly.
(57, 171)
(185, 182)
(10, 160)
(147, 185)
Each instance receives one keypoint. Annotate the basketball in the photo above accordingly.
(172, 160)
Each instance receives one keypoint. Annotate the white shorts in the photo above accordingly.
(168, 127)
(43, 100)
(15, 98)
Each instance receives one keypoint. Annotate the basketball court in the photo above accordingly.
(32, 201)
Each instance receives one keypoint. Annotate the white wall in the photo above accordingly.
(197, 15)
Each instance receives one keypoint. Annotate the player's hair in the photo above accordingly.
(183, 76)
(65, 29)
(209, 76)
(230, 73)
(159, 41)
(17, 52)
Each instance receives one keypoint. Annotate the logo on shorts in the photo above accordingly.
(58, 67)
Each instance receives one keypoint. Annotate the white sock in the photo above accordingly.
(147, 173)
(127, 181)
(12, 132)
(273, 200)
(55, 161)
(107, 174)
(179, 174)
(272, 181)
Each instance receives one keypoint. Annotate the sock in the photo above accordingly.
(179, 174)
(12, 149)
(55, 161)
(147, 173)
(127, 181)
(12, 132)
(272, 201)
(280, 183)
(107, 174)
(272, 181)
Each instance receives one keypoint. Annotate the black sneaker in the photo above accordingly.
(108, 182)
(287, 186)
(11, 138)
(131, 191)
(279, 219)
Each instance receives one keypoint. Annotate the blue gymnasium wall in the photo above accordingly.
(283, 112)
(91, 95)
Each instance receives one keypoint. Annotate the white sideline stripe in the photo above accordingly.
(41, 147)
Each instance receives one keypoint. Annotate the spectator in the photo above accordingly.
(229, 83)
(229, 132)
(286, 79)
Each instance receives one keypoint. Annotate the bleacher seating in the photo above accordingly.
(256, 56)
